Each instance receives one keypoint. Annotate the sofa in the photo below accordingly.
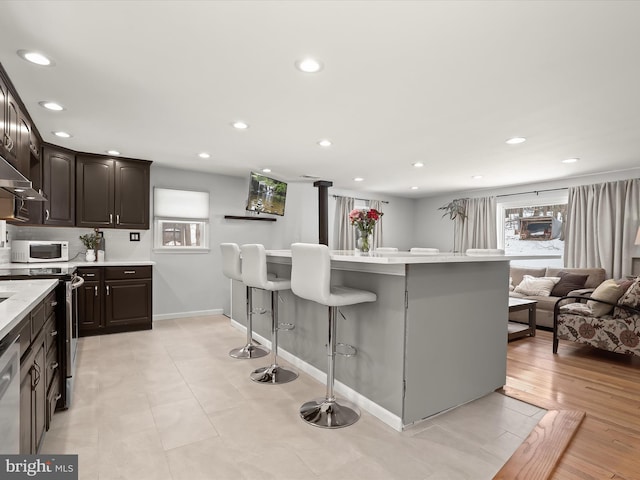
(612, 324)
(562, 281)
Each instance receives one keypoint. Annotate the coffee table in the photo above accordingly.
(519, 330)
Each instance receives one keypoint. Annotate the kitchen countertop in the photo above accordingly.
(106, 263)
(23, 296)
(408, 258)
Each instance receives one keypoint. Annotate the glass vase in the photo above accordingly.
(364, 243)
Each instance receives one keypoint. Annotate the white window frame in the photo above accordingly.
(528, 200)
(160, 220)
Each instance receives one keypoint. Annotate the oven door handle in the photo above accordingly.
(77, 282)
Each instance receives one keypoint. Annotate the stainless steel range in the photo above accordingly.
(66, 309)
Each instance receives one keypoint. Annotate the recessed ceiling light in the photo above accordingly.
(62, 134)
(418, 164)
(266, 170)
(240, 125)
(358, 179)
(324, 143)
(309, 65)
(516, 140)
(476, 177)
(414, 188)
(56, 107)
(35, 57)
(570, 160)
(204, 155)
(113, 152)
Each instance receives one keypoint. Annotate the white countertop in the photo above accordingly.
(107, 263)
(406, 257)
(23, 296)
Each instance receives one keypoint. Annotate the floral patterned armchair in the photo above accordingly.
(607, 325)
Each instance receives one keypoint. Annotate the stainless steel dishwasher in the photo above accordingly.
(10, 396)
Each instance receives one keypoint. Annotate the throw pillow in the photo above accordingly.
(576, 308)
(568, 283)
(536, 286)
(631, 298)
(609, 291)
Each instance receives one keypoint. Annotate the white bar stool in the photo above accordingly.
(254, 274)
(231, 267)
(311, 280)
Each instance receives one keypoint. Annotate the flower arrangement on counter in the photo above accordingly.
(364, 221)
(90, 240)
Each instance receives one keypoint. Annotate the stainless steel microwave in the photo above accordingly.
(32, 251)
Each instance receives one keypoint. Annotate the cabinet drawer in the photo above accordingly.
(37, 319)
(25, 335)
(52, 367)
(50, 333)
(125, 273)
(50, 304)
(52, 399)
(91, 274)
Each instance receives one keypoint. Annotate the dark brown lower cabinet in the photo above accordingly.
(114, 299)
(39, 377)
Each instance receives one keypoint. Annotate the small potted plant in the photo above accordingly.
(90, 241)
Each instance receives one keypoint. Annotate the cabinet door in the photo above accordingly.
(39, 399)
(127, 302)
(58, 170)
(25, 406)
(89, 308)
(11, 130)
(94, 192)
(132, 194)
(3, 115)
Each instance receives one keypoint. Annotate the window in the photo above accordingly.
(181, 220)
(533, 226)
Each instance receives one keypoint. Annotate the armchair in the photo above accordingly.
(617, 332)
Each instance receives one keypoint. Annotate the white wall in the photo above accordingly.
(434, 231)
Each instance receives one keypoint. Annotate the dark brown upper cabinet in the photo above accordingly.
(112, 193)
(58, 179)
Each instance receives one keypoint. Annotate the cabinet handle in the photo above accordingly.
(54, 365)
(58, 397)
(118, 219)
(8, 142)
(46, 214)
(36, 378)
(107, 289)
(53, 333)
(111, 218)
(96, 290)
(88, 274)
(54, 303)
(128, 272)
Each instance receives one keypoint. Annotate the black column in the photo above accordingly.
(323, 210)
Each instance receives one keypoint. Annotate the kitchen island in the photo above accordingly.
(435, 338)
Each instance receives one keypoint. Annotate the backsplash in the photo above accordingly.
(117, 244)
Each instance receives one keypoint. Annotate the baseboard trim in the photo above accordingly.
(197, 313)
(348, 393)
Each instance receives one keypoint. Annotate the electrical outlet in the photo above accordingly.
(134, 236)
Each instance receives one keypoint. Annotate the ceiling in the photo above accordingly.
(443, 83)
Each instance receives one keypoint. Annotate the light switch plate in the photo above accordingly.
(134, 236)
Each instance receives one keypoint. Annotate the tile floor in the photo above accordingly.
(170, 404)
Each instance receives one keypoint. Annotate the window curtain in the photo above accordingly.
(478, 229)
(346, 233)
(377, 230)
(602, 221)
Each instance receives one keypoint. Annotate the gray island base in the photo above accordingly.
(436, 337)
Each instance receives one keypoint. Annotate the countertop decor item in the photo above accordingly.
(364, 221)
(90, 241)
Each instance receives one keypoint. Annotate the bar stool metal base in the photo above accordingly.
(325, 413)
(273, 374)
(249, 351)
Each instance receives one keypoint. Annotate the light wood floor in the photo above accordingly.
(604, 385)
